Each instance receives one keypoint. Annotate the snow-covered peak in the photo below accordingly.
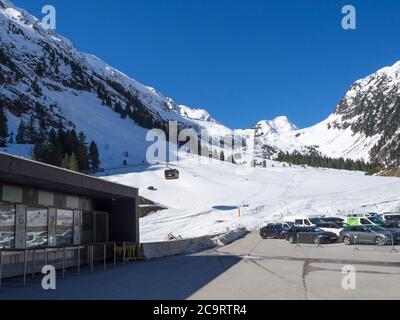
(277, 125)
(391, 71)
(195, 114)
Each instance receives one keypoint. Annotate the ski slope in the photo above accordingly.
(206, 198)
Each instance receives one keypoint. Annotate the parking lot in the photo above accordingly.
(250, 268)
(275, 269)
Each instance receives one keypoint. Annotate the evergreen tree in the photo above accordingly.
(30, 131)
(82, 153)
(11, 140)
(53, 152)
(222, 156)
(94, 161)
(70, 162)
(21, 133)
(3, 126)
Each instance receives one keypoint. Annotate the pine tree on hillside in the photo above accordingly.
(94, 161)
(3, 127)
(21, 133)
(70, 162)
(30, 131)
(53, 152)
(82, 153)
(222, 156)
(11, 139)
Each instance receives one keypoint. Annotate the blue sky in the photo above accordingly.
(243, 61)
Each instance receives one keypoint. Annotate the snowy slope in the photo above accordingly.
(76, 90)
(205, 199)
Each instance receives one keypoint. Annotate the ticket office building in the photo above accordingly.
(45, 206)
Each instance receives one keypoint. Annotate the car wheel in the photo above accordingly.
(347, 241)
(291, 239)
(379, 241)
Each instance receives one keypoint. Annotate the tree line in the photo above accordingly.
(319, 161)
(62, 148)
(66, 149)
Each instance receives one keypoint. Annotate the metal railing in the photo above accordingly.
(384, 242)
(308, 238)
(58, 256)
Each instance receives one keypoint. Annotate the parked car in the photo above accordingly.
(368, 234)
(364, 219)
(310, 235)
(274, 230)
(332, 220)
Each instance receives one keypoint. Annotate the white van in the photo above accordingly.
(307, 221)
(391, 216)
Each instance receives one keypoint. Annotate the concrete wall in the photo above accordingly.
(188, 246)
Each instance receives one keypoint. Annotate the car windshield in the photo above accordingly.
(317, 230)
(376, 220)
(376, 228)
(279, 226)
(315, 220)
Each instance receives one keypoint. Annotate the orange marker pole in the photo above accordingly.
(239, 212)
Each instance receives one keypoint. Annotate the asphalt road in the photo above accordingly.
(249, 268)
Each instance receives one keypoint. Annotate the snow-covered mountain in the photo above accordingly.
(42, 75)
(365, 125)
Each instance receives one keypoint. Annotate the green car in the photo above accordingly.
(364, 219)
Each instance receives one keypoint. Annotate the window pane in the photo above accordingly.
(65, 222)
(87, 227)
(7, 226)
(72, 202)
(12, 194)
(36, 227)
(46, 198)
(86, 204)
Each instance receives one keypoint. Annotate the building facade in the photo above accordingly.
(45, 206)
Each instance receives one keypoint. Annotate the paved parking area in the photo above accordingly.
(274, 269)
(249, 268)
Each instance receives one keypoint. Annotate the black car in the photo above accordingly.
(310, 235)
(274, 230)
(332, 220)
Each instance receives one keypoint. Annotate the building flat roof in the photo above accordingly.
(25, 172)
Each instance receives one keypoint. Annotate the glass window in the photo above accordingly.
(86, 204)
(36, 227)
(12, 194)
(365, 221)
(7, 226)
(65, 222)
(87, 227)
(72, 202)
(101, 227)
(46, 198)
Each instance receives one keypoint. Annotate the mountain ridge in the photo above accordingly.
(43, 76)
